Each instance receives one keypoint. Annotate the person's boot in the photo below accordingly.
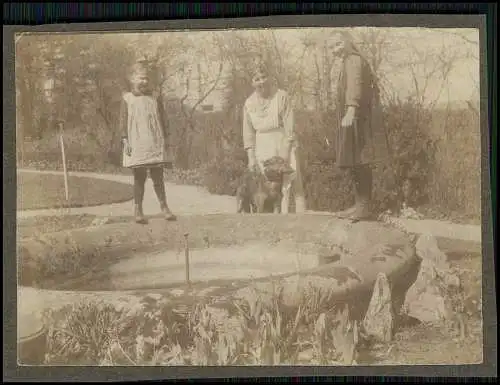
(139, 215)
(167, 214)
(159, 187)
(363, 194)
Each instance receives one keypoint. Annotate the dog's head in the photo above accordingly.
(275, 168)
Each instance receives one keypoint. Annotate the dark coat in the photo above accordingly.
(364, 142)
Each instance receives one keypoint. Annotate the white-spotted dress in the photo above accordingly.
(144, 125)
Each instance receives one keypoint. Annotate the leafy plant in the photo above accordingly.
(222, 175)
(84, 334)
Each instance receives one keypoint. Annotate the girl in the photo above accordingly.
(269, 130)
(144, 130)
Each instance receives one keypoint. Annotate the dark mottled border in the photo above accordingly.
(488, 368)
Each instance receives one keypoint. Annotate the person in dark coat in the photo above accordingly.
(358, 112)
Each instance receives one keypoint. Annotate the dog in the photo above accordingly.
(262, 192)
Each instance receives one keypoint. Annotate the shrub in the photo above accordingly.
(412, 152)
(194, 177)
(222, 175)
(88, 147)
(458, 138)
(326, 188)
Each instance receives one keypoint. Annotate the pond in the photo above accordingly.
(166, 268)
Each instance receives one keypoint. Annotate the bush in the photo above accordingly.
(194, 177)
(326, 188)
(88, 147)
(406, 177)
(458, 149)
(222, 175)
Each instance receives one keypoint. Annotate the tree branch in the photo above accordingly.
(210, 90)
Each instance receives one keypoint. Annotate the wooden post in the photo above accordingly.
(186, 255)
(65, 170)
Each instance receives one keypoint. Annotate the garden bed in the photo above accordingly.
(292, 302)
(149, 332)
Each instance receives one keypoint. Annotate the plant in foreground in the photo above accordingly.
(264, 330)
(84, 333)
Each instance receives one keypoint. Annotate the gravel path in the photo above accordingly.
(193, 200)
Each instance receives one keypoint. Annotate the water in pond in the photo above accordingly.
(228, 263)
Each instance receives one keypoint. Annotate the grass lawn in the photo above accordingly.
(45, 191)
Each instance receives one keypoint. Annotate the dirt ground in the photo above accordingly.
(441, 343)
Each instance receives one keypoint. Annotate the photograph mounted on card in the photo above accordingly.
(250, 197)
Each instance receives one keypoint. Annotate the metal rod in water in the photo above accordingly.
(186, 255)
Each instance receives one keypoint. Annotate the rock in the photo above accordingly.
(452, 280)
(306, 357)
(177, 292)
(427, 299)
(154, 296)
(428, 250)
(100, 221)
(408, 212)
(345, 337)
(427, 307)
(379, 319)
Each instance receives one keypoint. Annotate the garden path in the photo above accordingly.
(194, 200)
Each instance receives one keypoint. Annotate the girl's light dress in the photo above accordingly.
(145, 133)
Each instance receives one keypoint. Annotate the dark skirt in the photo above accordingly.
(360, 145)
(350, 143)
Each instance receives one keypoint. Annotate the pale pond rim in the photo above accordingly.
(166, 268)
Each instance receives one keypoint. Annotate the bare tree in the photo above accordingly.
(206, 85)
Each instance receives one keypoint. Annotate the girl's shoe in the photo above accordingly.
(168, 215)
(139, 216)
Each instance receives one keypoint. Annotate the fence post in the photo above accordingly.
(65, 170)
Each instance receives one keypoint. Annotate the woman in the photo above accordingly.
(360, 141)
(269, 130)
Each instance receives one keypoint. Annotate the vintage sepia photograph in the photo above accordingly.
(249, 197)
